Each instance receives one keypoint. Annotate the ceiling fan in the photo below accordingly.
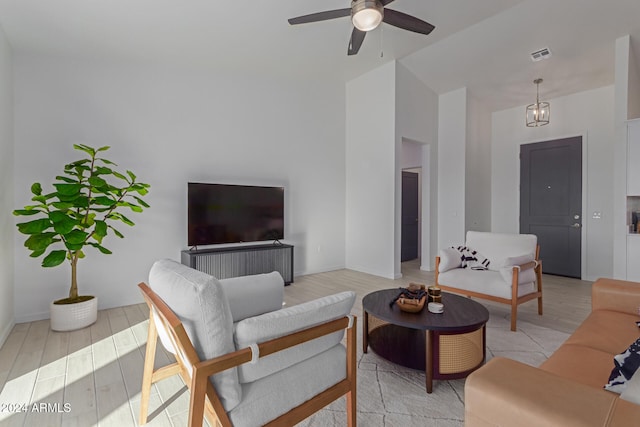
(365, 16)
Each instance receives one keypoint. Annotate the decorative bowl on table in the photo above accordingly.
(412, 298)
(411, 305)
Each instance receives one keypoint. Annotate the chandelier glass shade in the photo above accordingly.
(538, 114)
(366, 15)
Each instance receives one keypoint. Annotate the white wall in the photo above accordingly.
(417, 120)
(411, 154)
(371, 172)
(6, 196)
(478, 167)
(622, 96)
(171, 126)
(633, 103)
(452, 135)
(588, 114)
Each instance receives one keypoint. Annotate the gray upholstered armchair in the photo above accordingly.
(247, 360)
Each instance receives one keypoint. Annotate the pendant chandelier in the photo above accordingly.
(538, 113)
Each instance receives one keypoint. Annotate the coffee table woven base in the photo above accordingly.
(444, 347)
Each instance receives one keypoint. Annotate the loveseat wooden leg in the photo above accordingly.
(514, 315)
(540, 305)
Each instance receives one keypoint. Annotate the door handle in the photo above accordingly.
(576, 225)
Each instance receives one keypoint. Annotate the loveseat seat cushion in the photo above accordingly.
(608, 331)
(199, 302)
(486, 282)
(505, 392)
(272, 325)
(581, 364)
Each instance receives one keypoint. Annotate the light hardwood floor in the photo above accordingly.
(97, 371)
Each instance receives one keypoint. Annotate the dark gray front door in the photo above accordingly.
(551, 202)
(410, 220)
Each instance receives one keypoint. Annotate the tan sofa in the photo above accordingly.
(567, 389)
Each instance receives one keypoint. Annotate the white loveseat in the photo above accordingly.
(514, 273)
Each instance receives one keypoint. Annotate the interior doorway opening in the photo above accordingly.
(410, 213)
(414, 157)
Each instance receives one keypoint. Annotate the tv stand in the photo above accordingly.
(234, 261)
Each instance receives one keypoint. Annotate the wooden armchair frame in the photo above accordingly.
(514, 301)
(204, 400)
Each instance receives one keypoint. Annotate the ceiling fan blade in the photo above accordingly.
(385, 2)
(320, 16)
(407, 22)
(357, 37)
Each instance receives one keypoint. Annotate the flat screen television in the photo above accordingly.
(223, 213)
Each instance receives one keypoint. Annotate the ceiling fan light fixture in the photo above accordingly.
(366, 15)
(538, 114)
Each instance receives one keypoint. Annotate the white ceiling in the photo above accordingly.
(481, 44)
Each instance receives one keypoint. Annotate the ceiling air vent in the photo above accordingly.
(541, 54)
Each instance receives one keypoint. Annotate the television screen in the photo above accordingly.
(222, 213)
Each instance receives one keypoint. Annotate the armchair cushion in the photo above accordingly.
(497, 247)
(262, 328)
(487, 282)
(271, 396)
(250, 296)
(198, 301)
(524, 276)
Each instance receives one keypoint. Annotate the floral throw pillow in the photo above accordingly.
(625, 365)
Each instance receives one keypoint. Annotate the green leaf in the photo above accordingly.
(142, 202)
(88, 220)
(90, 151)
(34, 227)
(131, 206)
(118, 215)
(105, 148)
(74, 246)
(41, 199)
(96, 181)
(54, 258)
(131, 175)
(107, 162)
(119, 175)
(64, 227)
(77, 163)
(63, 206)
(101, 248)
(40, 242)
(101, 170)
(36, 188)
(78, 201)
(68, 189)
(141, 190)
(104, 201)
(58, 216)
(76, 237)
(36, 254)
(26, 212)
(116, 232)
(81, 254)
(67, 179)
(101, 228)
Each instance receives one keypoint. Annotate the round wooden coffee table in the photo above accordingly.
(448, 345)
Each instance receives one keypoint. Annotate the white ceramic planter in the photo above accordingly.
(69, 317)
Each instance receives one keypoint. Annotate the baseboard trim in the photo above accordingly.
(5, 333)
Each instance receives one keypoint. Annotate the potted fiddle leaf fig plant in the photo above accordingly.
(86, 202)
